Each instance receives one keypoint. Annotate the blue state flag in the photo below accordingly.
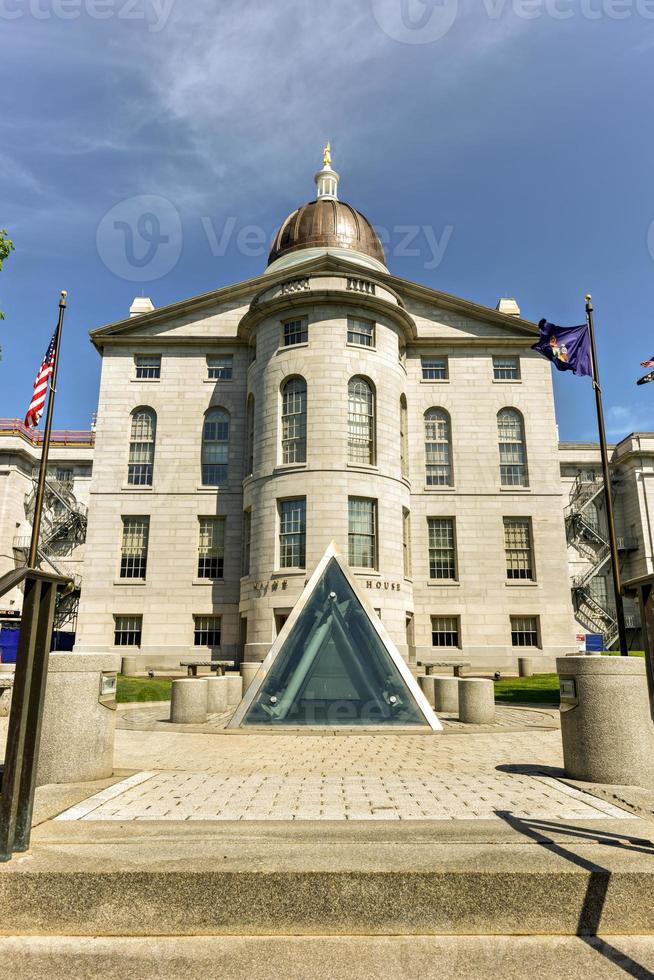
(567, 347)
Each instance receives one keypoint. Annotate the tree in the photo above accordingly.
(6, 247)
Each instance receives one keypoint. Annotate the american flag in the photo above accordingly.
(35, 411)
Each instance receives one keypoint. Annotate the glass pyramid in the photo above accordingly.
(332, 666)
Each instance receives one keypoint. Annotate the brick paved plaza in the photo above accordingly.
(221, 775)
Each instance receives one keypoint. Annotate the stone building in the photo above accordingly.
(64, 514)
(241, 431)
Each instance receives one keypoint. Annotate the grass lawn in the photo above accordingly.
(539, 689)
(143, 689)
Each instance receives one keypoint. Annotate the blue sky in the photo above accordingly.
(514, 137)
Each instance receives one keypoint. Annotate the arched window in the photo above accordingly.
(294, 421)
(513, 453)
(404, 438)
(360, 421)
(438, 448)
(143, 434)
(249, 462)
(215, 447)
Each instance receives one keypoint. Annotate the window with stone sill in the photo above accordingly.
(215, 447)
(128, 631)
(206, 631)
(518, 548)
(134, 547)
(360, 332)
(362, 532)
(211, 556)
(292, 533)
(435, 368)
(506, 368)
(525, 631)
(438, 448)
(445, 631)
(361, 422)
(442, 548)
(147, 367)
(220, 368)
(295, 332)
(143, 433)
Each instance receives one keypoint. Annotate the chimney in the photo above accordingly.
(141, 305)
(508, 306)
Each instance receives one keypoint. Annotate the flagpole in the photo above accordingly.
(610, 515)
(40, 491)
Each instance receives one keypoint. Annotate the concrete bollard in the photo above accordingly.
(427, 687)
(248, 672)
(128, 667)
(77, 735)
(606, 724)
(216, 695)
(234, 689)
(476, 701)
(525, 667)
(446, 694)
(188, 702)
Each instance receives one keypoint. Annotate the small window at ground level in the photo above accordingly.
(361, 332)
(296, 332)
(506, 368)
(220, 368)
(206, 631)
(127, 631)
(435, 369)
(525, 631)
(445, 631)
(148, 368)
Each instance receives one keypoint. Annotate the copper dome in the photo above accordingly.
(327, 223)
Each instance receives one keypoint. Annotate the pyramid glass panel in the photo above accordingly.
(333, 668)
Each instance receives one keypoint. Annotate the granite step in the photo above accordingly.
(499, 877)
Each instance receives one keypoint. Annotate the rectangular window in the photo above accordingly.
(406, 541)
(63, 475)
(296, 332)
(442, 548)
(361, 332)
(445, 631)
(206, 631)
(435, 369)
(134, 548)
(148, 368)
(211, 557)
(127, 631)
(220, 368)
(247, 540)
(506, 368)
(362, 532)
(517, 543)
(292, 533)
(525, 631)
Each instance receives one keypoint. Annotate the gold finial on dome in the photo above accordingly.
(327, 154)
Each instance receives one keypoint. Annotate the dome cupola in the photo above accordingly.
(327, 225)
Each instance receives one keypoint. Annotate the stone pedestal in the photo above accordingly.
(234, 689)
(129, 667)
(188, 701)
(216, 695)
(476, 701)
(77, 736)
(446, 694)
(606, 725)
(525, 667)
(248, 672)
(427, 687)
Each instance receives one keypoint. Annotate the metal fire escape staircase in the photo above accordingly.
(594, 610)
(63, 528)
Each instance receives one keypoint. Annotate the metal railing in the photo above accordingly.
(60, 437)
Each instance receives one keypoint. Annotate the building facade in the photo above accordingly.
(241, 432)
